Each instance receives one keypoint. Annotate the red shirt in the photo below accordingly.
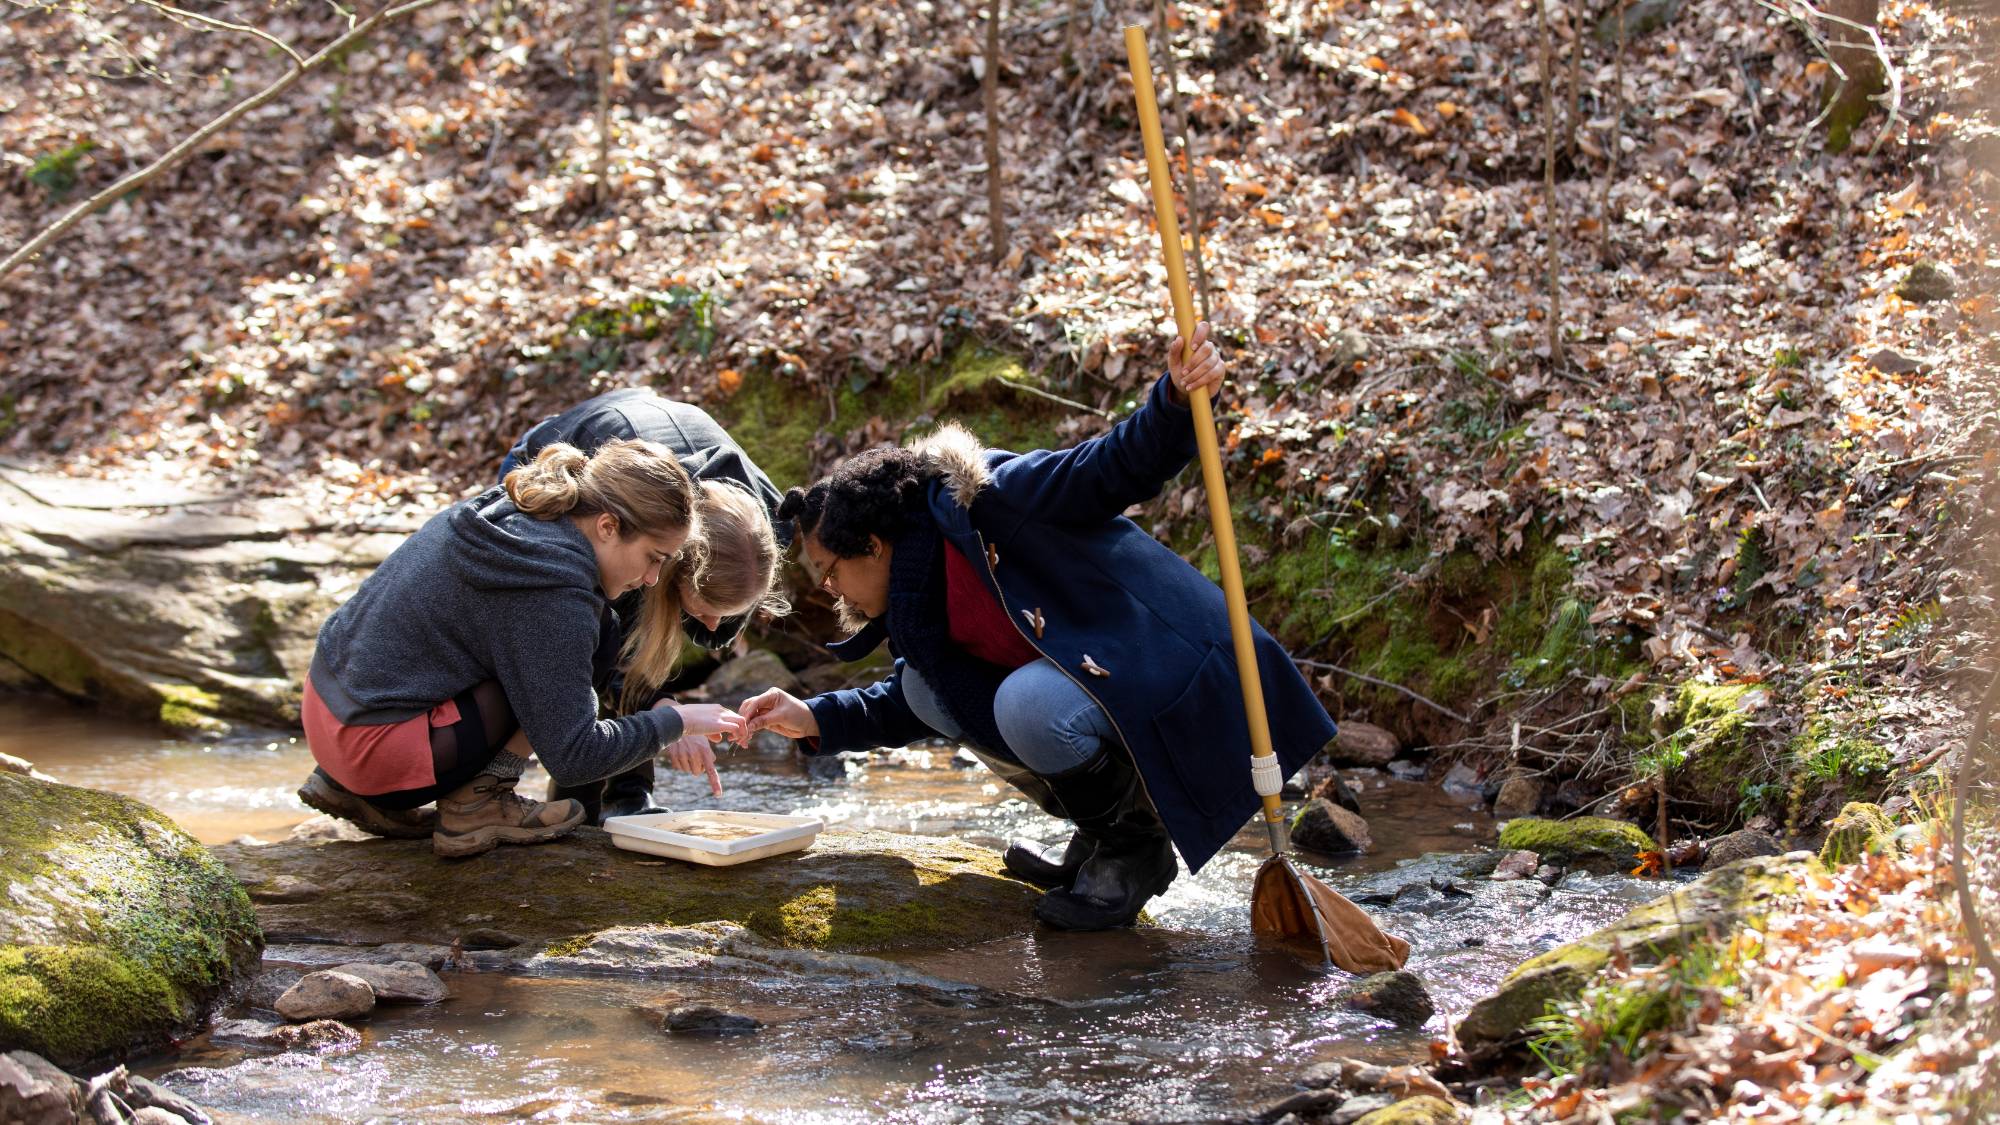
(977, 621)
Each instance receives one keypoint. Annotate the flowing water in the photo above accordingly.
(1186, 1019)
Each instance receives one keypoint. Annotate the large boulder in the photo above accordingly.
(1720, 902)
(1594, 843)
(185, 606)
(850, 892)
(119, 929)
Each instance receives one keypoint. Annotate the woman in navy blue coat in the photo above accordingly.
(1083, 660)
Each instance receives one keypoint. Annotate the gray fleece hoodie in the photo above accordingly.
(486, 592)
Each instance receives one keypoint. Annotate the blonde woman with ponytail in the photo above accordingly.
(725, 577)
(476, 645)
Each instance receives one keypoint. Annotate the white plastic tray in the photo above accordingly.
(691, 835)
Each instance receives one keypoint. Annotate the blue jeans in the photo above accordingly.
(1049, 722)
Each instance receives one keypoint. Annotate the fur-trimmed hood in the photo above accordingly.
(960, 457)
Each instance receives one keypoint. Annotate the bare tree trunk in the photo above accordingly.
(173, 156)
(1573, 19)
(1617, 142)
(995, 201)
(1857, 74)
(604, 101)
(1185, 122)
(1551, 211)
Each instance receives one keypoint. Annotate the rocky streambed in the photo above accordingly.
(891, 970)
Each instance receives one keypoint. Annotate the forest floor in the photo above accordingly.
(1722, 538)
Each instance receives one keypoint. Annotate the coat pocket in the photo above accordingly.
(1198, 730)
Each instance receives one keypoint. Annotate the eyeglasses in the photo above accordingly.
(826, 576)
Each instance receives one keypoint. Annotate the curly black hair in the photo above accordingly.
(877, 492)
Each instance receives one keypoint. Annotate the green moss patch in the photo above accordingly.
(1736, 897)
(1594, 842)
(851, 892)
(777, 420)
(1861, 829)
(108, 897)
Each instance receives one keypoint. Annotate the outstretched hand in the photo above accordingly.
(1194, 364)
(780, 711)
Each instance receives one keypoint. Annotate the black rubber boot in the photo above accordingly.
(1134, 857)
(1049, 866)
(629, 793)
(1045, 865)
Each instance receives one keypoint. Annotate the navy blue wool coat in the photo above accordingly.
(1146, 634)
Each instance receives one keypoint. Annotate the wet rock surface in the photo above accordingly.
(706, 1019)
(35, 1091)
(182, 605)
(326, 994)
(1716, 903)
(120, 930)
(397, 982)
(1323, 826)
(852, 891)
(313, 1035)
(1399, 997)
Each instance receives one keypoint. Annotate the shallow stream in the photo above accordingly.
(1185, 1019)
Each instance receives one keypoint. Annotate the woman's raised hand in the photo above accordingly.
(780, 711)
(1195, 365)
(709, 720)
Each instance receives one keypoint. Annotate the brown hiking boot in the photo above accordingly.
(325, 794)
(487, 811)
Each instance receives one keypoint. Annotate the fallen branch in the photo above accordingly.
(193, 142)
(1367, 679)
(225, 25)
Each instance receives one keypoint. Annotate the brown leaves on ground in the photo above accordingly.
(1858, 991)
(389, 274)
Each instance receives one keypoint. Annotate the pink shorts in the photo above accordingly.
(372, 759)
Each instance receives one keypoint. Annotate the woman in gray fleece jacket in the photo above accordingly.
(470, 648)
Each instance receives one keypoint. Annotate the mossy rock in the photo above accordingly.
(1860, 829)
(1927, 281)
(120, 929)
(1424, 1110)
(1719, 903)
(1709, 737)
(1594, 843)
(854, 892)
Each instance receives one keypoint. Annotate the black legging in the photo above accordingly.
(461, 750)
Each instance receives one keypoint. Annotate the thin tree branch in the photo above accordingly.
(245, 29)
(1367, 679)
(1617, 139)
(1551, 214)
(996, 201)
(194, 141)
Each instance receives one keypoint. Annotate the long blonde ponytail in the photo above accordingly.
(735, 563)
